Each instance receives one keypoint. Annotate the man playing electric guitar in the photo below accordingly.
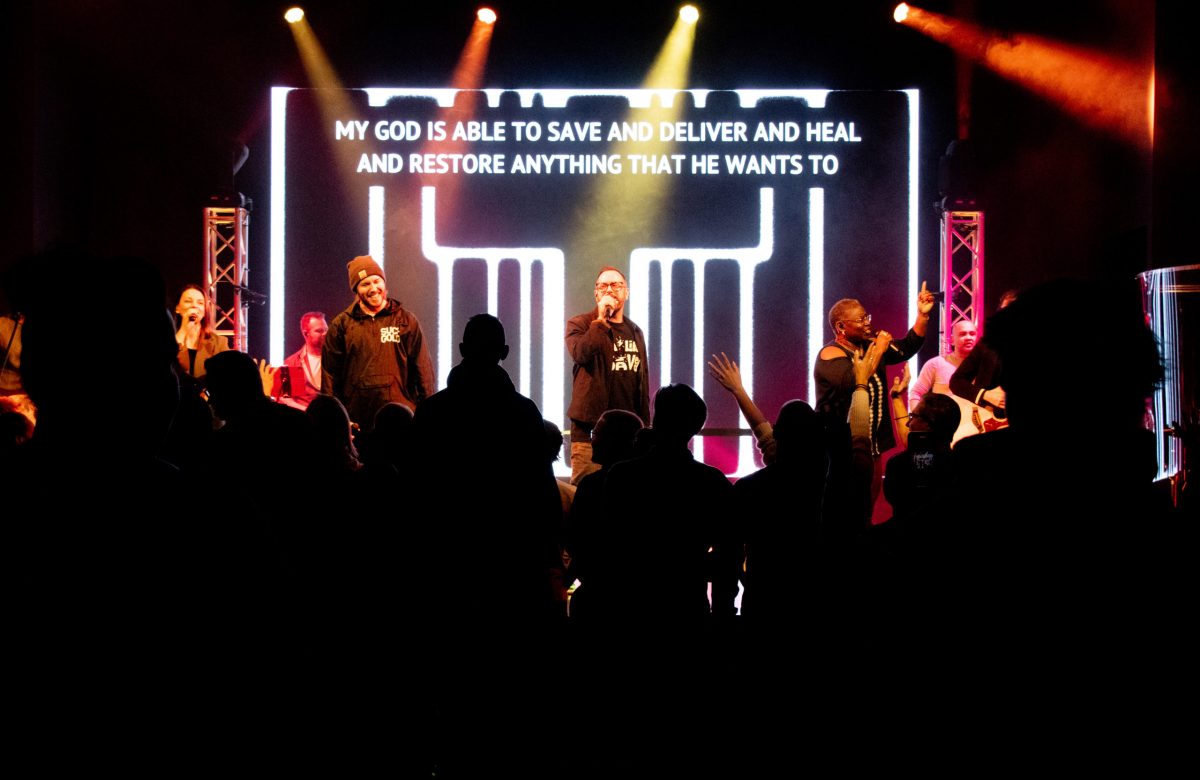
(937, 374)
(978, 382)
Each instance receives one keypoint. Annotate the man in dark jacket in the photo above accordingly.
(375, 351)
(609, 351)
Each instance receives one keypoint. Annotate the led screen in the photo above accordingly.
(738, 217)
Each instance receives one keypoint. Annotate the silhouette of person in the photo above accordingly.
(778, 511)
(649, 560)
(481, 559)
(612, 442)
(99, 561)
(1061, 543)
(503, 530)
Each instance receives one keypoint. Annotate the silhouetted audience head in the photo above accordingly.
(797, 431)
(331, 428)
(234, 385)
(483, 340)
(679, 414)
(554, 440)
(643, 441)
(60, 364)
(390, 440)
(614, 436)
(937, 414)
(1028, 337)
(394, 417)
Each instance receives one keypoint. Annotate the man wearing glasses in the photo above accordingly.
(609, 351)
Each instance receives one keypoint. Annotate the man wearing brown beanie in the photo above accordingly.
(375, 351)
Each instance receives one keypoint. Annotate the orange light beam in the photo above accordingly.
(332, 100)
(468, 75)
(1104, 92)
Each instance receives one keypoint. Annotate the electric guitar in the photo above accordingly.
(975, 419)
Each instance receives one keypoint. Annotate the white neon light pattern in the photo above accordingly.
(914, 193)
(816, 284)
(553, 305)
(278, 191)
(376, 224)
(747, 259)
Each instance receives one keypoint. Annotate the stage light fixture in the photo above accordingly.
(689, 14)
(901, 12)
(486, 15)
(293, 14)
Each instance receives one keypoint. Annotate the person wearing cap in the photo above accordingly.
(374, 352)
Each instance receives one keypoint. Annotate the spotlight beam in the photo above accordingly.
(466, 78)
(622, 211)
(1100, 90)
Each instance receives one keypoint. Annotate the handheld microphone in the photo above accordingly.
(608, 311)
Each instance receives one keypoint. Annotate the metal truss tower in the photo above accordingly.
(962, 270)
(226, 240)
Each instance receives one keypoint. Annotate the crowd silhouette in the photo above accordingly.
(202, 555)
